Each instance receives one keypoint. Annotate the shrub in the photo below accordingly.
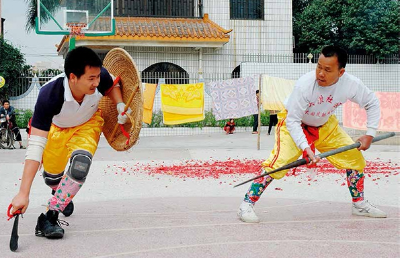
(22, 117)
(209, 121)
(157, 120)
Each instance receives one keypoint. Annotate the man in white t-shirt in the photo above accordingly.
(308, 123)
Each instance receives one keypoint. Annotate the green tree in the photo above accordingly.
(54, 5)
(32, 13)
(11, 66)
(298, 7)
(373, 26)
(360, 26)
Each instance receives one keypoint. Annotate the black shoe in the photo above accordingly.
(49, 225)
(69, 209)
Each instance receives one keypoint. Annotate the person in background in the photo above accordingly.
(9, 112)
(273, 120)
(255, 116)
(229, 127)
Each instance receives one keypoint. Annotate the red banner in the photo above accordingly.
(356, 118)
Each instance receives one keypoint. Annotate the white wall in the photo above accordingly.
(378, 77)
(271, 36)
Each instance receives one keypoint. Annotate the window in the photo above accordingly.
(173, 74)
(154, 8)
(236, 72)
(247, 9)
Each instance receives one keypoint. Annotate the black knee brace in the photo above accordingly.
(80, 165)
(51, 179)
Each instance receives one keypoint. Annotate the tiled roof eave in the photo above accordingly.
(132, 40)
(137, 38)
(140, 30)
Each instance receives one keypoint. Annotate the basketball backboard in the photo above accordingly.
(59, 17)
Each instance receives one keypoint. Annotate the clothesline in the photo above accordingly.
(232, 98)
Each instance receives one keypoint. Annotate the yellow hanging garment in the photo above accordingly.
(148, 101)
(274, 91)
(182, 103)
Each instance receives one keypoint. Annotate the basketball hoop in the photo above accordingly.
(76, 28)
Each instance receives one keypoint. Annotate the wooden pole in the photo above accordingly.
(259, 114)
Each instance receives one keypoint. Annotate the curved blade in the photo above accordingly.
(14, 235)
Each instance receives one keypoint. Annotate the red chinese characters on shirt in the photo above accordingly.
(321, 100)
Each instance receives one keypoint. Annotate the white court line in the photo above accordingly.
(182, 212)
(221, 224)
(285, 241)
(291, 205)
(146, 213)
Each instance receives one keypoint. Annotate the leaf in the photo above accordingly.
(360, 26)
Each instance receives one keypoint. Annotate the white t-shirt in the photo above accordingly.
(55, 103)
(72, 113)
(312, 104)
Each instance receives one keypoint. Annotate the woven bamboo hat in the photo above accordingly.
(119, 63)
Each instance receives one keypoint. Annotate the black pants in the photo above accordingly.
(17, 134)
(15, 130)
(255, 122)
(273, 120)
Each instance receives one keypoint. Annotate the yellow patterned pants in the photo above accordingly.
(62, 142)
(331, 136)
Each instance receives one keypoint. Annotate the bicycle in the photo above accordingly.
(7, 137)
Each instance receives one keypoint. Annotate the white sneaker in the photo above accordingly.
(246, 213)
(364, 208)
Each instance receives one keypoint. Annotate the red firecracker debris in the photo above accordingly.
(242, 167)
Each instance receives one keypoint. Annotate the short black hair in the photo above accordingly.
(77, 60)
(339, 52)
(6, 101)
(257, 91)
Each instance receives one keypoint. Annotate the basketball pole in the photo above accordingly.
(71, 42)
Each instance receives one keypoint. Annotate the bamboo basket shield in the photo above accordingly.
(119, 63)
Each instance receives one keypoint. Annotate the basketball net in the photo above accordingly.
(76, 29)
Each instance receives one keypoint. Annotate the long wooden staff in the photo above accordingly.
(300, 162)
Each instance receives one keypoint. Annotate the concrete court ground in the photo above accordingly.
(141, 215)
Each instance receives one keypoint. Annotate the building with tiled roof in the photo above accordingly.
(162, 32)
(196, 37)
